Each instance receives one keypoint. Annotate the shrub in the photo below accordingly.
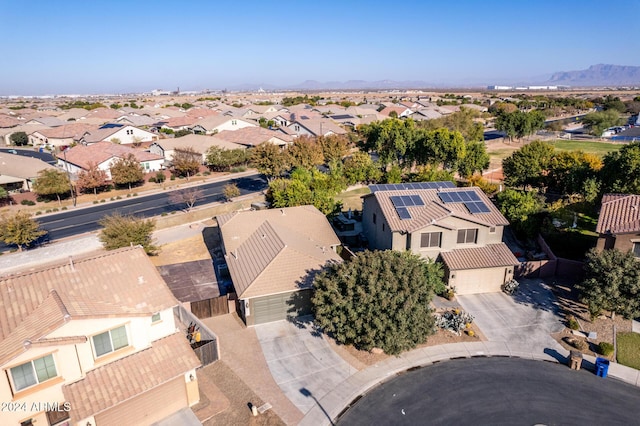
(38, 213)
(455, 320)
(64, 208)
(103, 200)
(163, 214)
(572, 323)
(579, 344)
(95, 201)
(152, 179)
(239, 169)
(510, 286)
(27, 203)
(605, 348)
(207, 173)
(55, 209)
(135, 194)
(173, 177)
(48, 211)
(118, 198)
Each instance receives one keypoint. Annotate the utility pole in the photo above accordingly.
(66, 166)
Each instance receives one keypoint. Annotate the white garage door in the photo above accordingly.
(479, 280)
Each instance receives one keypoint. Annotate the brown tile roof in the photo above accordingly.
(116, 382)
(21, 166)
(179, 121)
(213, 121)
(489, 256)
(620, 213)
(6, 121)
(320, 126)
(104, 113)
(75, 131)
(269, 252)
(253, 136)
(200, 112)
(120, 283)
(200, 143)
(434, 209)
(83, 155)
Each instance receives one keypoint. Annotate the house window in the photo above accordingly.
(33, 372)
(467, 236)
(430, 239)
(110, 341)
(636, 249)
(374, 218)
(492, 230)
(156, 317)
(234, 122)
(383, 227)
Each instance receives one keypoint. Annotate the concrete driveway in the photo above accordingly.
(301, 362)
(525, 319)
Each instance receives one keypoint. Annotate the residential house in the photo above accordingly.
(177, 123)
(199, 143)
(399, 110)
(60, 136)
(316, 127)
(254, 136)
(93, 341)
(217, 123)
(17, 172)
(103, 155)
(119, 133)
(46, 121)
(136, 120)
(272, 257)
(619, 223)
(458, 226)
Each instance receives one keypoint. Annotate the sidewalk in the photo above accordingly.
(330, 406)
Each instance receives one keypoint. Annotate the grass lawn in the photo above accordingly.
(351, 199)
(597, 148)
(629, 349)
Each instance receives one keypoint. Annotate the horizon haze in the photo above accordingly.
(76, 47)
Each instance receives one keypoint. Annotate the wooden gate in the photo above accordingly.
(210, 307)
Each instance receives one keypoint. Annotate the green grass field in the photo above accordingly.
(629, 349)
(351, 199)
(597, 148)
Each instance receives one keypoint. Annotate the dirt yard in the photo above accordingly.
(186, 250)
(603, 326)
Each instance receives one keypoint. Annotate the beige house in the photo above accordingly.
(64, 135)
(254, 136)
(18, 172)
(272, 256)
(217, 123)
(200, 144)
(619, 223)
(458, 226)
(93, 341)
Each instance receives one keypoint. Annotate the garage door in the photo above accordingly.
(277, 307)
(149, 407)
(479, 280)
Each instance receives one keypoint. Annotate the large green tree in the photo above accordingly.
(475, 159)
(122, 231)
(52, 182)
(334, 147)
(378, 299)
(360, 168)
(307, 187)
(612, 283)
(19, 229)
(598, 122)
(223, 159)
(519, 124)
(521, 208)
(19, 138)
(392, 139)
(127, 171)
(569, 172)
(305, 152)
(270, 160)
(621, 170)
(528, 165)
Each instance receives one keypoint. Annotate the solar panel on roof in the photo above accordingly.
(397, 201)
(473, 196)
(472, 207)
(455, 197)
(403, 213)
(477, 207)
(464, 196)
(417, 201)
(410, 185)
(445, 197)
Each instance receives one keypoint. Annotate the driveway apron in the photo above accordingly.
(301, 362)
(525, 319)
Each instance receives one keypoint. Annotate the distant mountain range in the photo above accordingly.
(598, 75)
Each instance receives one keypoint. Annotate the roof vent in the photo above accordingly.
(71, 263)
(235, 255)
(282, 211)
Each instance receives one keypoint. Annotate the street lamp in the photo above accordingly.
(66, 166)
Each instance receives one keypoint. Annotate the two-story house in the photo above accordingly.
(619, 223)
(93, 341)
(458, 226)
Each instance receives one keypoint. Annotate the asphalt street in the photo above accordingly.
(497, 391)
(81, 220)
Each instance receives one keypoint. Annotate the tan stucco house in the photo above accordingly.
(619, 223)
(273, 256)
(458, 226)
(93, 341)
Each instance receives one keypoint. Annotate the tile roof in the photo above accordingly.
(277, 250)
(213, 121)
(121, 282)
(97, 153)
(200, 143)
(118, 381)
(253, 136)
(104, 113)
(48, 121)
(6, 121)
(21, 166)
(75, 131)
(489, 256)
(620, 213)
(434, 210)
(319, 126)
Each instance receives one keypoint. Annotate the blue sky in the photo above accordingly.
(116, 46)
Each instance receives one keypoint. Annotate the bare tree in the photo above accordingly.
(188, 196)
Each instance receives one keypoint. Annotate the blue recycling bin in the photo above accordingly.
(602, 367)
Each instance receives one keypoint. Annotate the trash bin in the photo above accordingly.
(602, 367)
(575, 360)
